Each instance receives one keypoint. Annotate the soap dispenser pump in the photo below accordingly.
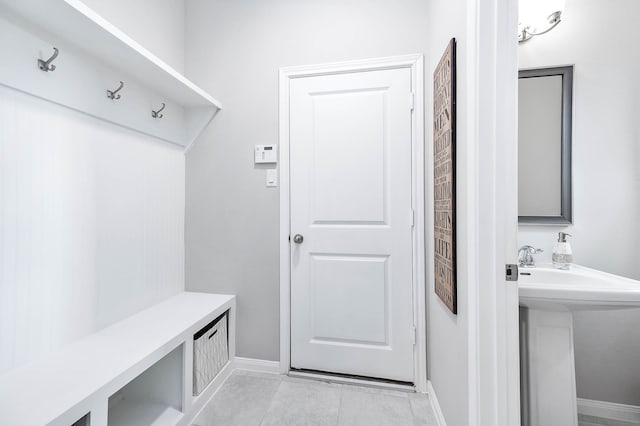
(562, 255)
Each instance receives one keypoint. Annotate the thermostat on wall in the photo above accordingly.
(266, 154)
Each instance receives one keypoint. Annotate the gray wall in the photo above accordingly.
(234, 51)
(606, 179)
(447, 333)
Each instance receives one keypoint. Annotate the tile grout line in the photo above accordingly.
(340, 404)
(270, 402)
(413, 414)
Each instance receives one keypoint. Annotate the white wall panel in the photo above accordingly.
(91, 225)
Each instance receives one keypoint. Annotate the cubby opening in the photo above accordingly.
(154, 397)
(83, 421)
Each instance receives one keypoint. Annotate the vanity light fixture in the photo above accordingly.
(535, 18)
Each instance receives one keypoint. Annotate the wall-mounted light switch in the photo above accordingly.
(272, 177)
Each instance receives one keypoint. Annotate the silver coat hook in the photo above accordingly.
(156, 114)
(113, 95)
(46, 65)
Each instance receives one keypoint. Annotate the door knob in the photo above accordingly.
(298, 239)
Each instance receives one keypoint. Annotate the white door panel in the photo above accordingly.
(339, 313)
(350, 185)
(348, 158)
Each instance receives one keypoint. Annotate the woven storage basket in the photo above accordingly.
(210, 352)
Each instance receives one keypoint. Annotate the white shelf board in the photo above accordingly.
(142, 413)
(102, 363)
(77, 24)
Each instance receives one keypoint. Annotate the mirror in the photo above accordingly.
(605, 136)
(544, 145)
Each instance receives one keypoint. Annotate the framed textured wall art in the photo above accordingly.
(444, 176)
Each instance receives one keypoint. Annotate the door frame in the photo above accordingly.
(492, 110)
(416, 64)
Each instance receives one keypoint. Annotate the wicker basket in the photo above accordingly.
(210, 352)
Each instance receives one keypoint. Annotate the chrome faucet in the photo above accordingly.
(525, 256)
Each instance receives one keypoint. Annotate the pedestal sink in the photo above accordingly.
(548, 297)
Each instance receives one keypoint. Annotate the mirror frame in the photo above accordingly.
(566, 214)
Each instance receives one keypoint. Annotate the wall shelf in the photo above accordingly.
(94, 57)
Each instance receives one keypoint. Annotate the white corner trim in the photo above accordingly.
(435, 404)
(359, 65)
(261, 365)
(285, 247)
(609, 410)
(420, 206)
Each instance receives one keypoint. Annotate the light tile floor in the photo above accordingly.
(249, 398)
(584, 420)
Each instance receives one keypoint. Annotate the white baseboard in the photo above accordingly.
(435, 404)
(609, 410)
(257, 365)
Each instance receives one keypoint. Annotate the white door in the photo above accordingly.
(350, 186)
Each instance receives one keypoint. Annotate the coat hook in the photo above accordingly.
(46, 65)
(156, 114)
(113, 95)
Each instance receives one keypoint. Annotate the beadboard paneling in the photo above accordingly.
(91, 225)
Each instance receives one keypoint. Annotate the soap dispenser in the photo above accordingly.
(562, 255)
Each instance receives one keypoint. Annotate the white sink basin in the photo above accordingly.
(580, 288)
(546, 333)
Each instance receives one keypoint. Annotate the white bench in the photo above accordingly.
(137, 371)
